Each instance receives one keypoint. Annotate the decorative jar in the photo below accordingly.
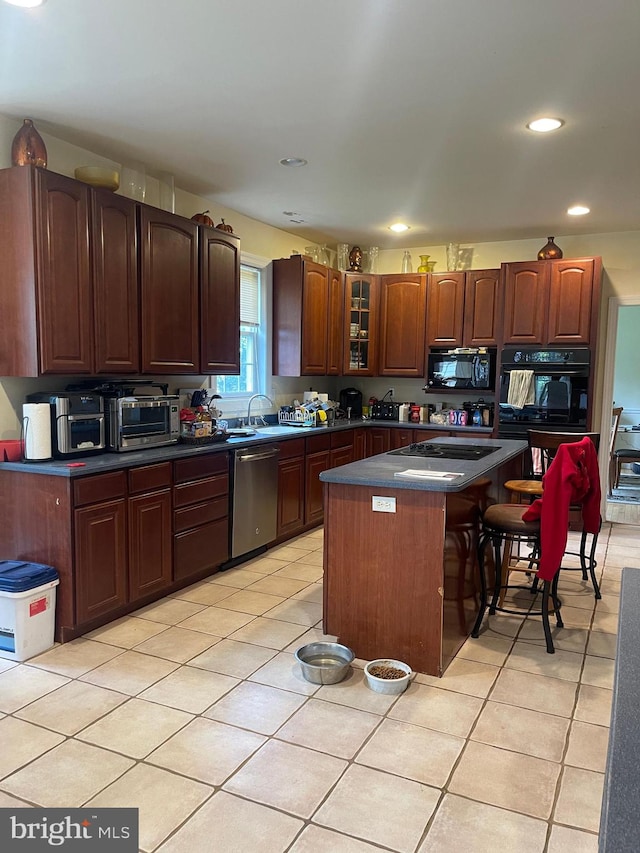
(550, 251)
(424, 263)
(28, 148)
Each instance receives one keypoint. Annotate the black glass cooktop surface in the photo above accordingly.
(445, 451)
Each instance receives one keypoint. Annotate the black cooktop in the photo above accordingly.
(445, 451)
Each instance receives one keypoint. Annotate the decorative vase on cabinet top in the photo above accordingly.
(406, 262)
(550, 252)
(424, 263)
(28, 148)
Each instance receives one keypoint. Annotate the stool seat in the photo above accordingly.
(508, 519)
(532, 488)
(627, 453)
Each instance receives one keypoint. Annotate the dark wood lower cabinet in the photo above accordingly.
(100, 559)
(359, 443)
(290, 496)
(124, 538)
(402, 437)
(149, 543)
(378, 440)
(315, 464)
(201, 549)
(200, 515)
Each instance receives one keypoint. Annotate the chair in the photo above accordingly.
(571, 480)
(543, 447)
(624, 455)
(613, 465)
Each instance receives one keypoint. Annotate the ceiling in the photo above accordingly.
(410, 110)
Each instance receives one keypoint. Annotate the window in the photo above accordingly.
(252, 378)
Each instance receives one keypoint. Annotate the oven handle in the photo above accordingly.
(549, 371)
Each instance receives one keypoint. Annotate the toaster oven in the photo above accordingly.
(137, 423)
(385, 412)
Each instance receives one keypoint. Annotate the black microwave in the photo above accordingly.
(470, 369)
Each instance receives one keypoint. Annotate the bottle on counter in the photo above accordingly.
(403, 412)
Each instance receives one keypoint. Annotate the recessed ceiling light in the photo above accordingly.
(578, 210)
(398, 227)
(544, 125)
(293, 161)
(26, 4)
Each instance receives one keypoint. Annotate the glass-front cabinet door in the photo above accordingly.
(361, 324)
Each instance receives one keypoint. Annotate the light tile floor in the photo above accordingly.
(194, 710)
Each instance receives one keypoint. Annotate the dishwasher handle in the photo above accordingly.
(253, 457)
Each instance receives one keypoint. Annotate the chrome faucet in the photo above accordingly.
(251, 399)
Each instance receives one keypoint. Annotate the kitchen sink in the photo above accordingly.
(281, 429)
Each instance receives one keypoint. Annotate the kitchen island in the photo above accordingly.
(400, 549)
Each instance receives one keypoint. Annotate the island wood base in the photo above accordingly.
(405, 585)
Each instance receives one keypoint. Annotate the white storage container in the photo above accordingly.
(27, 615)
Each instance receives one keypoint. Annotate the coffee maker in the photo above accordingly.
(351, 398)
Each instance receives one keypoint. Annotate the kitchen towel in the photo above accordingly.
(521, 391)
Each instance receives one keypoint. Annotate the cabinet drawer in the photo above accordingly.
(197, 467)
(291, 449)
(201, 490)
(194, 516)
(204, 547)
(102, 487)
(315, 443)
(342, 439)
(149, 477)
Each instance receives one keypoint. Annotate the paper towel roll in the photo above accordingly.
(309, 395)
(324, 398)
(36, 427)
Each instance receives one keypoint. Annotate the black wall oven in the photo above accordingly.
(543, 389)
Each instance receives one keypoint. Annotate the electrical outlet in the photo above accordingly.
(391, 392)
(380, 504)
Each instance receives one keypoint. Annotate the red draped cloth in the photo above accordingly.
(572, 478)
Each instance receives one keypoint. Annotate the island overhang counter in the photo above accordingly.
(400, 564)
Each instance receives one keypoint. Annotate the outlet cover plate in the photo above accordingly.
(380, 504)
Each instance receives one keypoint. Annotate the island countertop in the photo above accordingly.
(380, 471)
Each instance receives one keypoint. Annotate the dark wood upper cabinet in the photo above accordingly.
(169, 292)
(219, 301)
(551, 302)
(46, 323)
(445, 309)
(361, 307)
(464, 308)
(65, 297)
(115, 283)
(482, 308)
(526, 286)
(571, 293)
(300, 317)
(94, 282)
(403, 305)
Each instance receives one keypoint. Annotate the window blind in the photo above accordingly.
(249, 296)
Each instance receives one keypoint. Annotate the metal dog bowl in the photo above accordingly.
(324, 663)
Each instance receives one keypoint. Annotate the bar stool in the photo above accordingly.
(544, 445)
(503, 525)
(572, 480)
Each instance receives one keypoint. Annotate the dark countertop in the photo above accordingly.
(103, 462)
(619, 825)
(380, 470)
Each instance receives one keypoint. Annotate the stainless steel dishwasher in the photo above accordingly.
(255, 498)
